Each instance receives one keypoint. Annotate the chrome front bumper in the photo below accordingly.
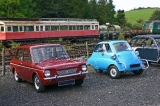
(64, 76)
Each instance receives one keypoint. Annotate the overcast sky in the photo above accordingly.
(131, 4)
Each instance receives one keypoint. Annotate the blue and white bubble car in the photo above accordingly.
(116, 57)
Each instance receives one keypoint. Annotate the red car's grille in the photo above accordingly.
(67, 71)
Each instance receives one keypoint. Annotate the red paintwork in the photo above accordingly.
(48, 34)
(26, 70)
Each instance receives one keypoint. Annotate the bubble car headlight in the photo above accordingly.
(84, 67)
(47, 73)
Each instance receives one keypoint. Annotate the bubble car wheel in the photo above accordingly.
(114, 72)
(38, 85)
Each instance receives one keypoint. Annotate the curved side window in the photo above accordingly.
(98, 48)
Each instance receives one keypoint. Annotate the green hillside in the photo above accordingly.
(133, 15)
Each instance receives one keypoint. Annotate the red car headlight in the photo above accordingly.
(84, 67)
(47, 73)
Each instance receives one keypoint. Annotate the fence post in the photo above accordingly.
(87, 49)
(3, 61)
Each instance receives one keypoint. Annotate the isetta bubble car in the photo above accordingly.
(46, 64)
(116, 57)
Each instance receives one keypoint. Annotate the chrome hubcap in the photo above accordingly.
(37, 83)
(113, 72)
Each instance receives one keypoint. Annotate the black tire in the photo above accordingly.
(79, 82)
(114, 72)
(38, 85)
(138, 72)
(17, 79)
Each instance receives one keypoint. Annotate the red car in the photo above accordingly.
(46, 64)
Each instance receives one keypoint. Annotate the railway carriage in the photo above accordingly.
(46, 28)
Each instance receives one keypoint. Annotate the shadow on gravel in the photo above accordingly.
(56, 88)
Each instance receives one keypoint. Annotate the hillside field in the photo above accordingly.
(133, 15)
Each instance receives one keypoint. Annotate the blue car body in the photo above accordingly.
(109, 53)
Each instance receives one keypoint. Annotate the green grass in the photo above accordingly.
(144, 14)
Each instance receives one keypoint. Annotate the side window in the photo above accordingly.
(19, 54)
(98, 48)
(27, 56)
(140, 42)
(149, 42)
(108, 48)
(132, 43)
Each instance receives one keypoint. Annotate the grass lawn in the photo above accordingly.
(133, 15)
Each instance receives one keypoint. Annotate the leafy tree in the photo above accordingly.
(121, 20)
(103, 11)
(16, 8)
(110, 11)
(77, 8)
(155, 15)
(92, 11)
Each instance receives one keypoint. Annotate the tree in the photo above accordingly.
(110, 11)
(77, 8)
(121, 20)
(105, 12)
(16, 8)
(155, 15)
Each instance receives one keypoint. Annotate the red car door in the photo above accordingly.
(18, 62)
(27, 65)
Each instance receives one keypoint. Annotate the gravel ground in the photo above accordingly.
(98, 89)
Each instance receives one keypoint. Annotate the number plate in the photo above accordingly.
(67, 82)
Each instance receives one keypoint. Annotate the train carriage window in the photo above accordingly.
(64, 27)
(47, 28)
(2, 29)
(92, 26)
(9, 28)
(41, 28)
(20, 28)
(37, 28)
(15, 28)
(79, 27)
(28, 28)
(72, 27)
(96, 26)
(54, 28)
(86, 27)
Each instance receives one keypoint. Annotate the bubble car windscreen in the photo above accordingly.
(122, 46)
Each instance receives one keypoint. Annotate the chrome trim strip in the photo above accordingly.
(64, 76)
(146, 62)
(24, 66)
